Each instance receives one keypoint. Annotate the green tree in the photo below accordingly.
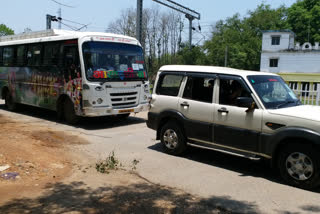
(240, 38)
(195, 56)
(4, 30)
(304, 19)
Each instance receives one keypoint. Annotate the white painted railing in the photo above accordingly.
(307, 96)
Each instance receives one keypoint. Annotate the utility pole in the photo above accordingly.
(226, 57)
(59, 10)
(59, 15)
(48, 22)
(139, 20)
(50, 19)
(190, 14)
(190, 18)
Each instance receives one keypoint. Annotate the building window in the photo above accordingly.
(275, 40)
(273, 63)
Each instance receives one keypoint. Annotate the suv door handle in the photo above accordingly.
(184, 104)
(223, 110)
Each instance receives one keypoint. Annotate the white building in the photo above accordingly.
(299, 65)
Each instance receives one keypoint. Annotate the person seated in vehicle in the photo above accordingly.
(236, 91)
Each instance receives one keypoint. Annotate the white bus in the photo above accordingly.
(74, 73)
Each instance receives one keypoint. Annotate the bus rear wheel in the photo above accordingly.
(9, 102)
(69, 112)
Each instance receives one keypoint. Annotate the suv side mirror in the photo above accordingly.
(246, 102)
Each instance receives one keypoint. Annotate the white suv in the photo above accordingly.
(245, 113)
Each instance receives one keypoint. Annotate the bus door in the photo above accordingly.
(72, 73)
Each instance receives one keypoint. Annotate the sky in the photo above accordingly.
(22, 14)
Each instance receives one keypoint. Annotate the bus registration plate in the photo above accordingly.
(126, 110)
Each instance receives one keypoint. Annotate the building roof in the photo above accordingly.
(279, 31)
(211, 69)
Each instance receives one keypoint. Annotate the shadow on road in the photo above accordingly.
(243, 166)
(136, 198)
(88, 123)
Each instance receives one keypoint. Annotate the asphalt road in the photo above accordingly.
(236, 183)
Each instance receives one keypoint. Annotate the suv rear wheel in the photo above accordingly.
(173, 139)
(299, 166)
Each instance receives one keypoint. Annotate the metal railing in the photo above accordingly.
(307, 95)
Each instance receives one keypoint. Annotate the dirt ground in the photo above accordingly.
(53, 177)
(37, 154)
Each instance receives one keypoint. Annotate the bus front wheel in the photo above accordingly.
(9, 102)
(69, 112)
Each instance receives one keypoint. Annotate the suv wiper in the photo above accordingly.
(285, 103)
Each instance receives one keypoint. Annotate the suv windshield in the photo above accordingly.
(108, 61)
(273, 91)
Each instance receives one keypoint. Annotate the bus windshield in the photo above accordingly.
(273, 91)
(107, 61)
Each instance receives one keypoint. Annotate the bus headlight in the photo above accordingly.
(85, 87)
(146, 88)
(99, 101)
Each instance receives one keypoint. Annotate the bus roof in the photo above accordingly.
(56, 35)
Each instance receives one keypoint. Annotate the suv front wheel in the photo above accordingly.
(299, 166)
(173, 139)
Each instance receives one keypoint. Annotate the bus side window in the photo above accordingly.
(8, 56)
(34, 55)
(71, 62)
(1, 51)
(51, 54)
(21, 53)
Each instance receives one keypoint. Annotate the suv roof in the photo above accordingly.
(211, 69)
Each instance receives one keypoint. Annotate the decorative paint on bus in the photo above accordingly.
(40, 88)
(104, 74)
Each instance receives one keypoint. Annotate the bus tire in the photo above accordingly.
(10, 103)
(69, 112)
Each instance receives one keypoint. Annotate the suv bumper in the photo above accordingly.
(152, 121)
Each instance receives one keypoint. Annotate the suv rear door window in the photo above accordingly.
(199, 89)
(230, 90)
(169, 84)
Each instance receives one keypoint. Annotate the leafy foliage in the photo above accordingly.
(304, 19)
(240, 38)
(111, 163)
(4, 30)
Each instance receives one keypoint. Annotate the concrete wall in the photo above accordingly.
(286, 41)
(292, 62)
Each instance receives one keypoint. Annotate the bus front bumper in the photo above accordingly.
(106, 111)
